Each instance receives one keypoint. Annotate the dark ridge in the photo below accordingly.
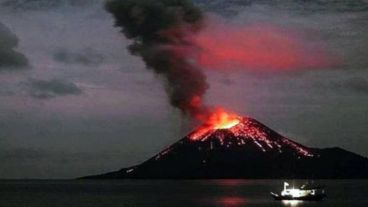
(233, 153)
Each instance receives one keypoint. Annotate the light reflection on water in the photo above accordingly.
(236, 201)
(237, 193)
(229, 193)
(172, 193)
(229, 201)
(292, 203)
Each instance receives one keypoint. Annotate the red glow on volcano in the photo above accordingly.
(218, 119)
(231, 129)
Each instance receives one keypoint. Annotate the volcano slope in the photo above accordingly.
(247, 149)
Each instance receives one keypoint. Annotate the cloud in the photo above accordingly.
(42, 162)
(87, 56)
(355, 84)
(43, 4)
(36, 154)
(231, 7)
(6, 92)
(22, 154)
(43, 89)
(9, 58)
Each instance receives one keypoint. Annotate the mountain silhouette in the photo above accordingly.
(248, 149)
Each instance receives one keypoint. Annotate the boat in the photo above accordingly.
(307, 192)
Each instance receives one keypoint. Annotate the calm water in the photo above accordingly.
(144, 193)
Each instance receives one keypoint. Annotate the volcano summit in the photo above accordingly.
(243, 148)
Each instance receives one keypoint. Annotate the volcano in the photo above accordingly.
(243, 148)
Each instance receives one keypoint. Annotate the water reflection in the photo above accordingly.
(230, 201)
(292, 203)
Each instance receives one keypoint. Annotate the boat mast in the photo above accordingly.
(285, 185)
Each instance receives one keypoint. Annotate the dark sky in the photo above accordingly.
(74, 102)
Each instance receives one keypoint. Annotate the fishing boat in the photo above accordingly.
(307, 192)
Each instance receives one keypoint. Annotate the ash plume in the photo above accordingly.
(159, 29)
(177, 40)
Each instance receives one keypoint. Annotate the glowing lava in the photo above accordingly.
(221, 119)
(218, 119)
(230, 129)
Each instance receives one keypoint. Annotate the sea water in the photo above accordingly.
(173, 193)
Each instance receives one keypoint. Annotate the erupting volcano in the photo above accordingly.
(230, 129)
(218, 119)
(231, 146)
(176, 40)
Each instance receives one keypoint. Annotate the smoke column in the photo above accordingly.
(158, 28)
(176, 41)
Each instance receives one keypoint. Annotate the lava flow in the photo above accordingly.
(231, 129)
(218, 119)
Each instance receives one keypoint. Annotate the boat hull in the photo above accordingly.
(301, 198)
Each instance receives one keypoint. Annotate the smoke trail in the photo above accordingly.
(158, 28)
